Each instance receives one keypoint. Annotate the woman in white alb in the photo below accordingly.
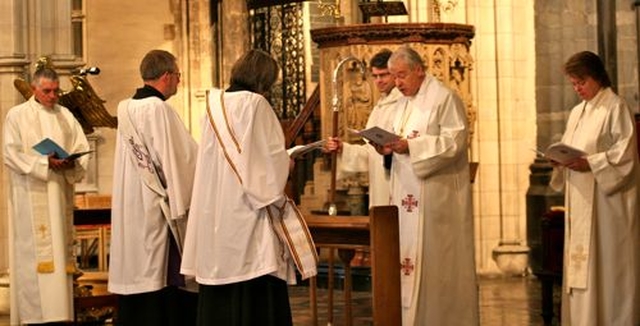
(242, 168)
(602, 230)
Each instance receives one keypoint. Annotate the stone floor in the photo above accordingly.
(504, 301)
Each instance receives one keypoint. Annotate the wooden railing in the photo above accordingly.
(293, 129)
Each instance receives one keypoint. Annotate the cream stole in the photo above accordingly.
(580, 197)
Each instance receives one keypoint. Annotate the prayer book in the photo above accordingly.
(300, 150)
(561, 153)
(377, 135)
(48, 146)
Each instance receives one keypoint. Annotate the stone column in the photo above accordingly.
(49, 33)
(234, 37)
(607, 41)
(13, 64)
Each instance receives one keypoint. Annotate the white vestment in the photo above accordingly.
(602, 231)
(432, 189)
(139, 231)
(362, 158)
(35, 190)
(229, 237)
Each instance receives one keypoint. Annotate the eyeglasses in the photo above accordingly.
(176, 73)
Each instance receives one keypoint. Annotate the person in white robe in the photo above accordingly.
(601, 280)
(242, 168)
(153, 172)
(431, 186)
(363, 158)
(41, 199)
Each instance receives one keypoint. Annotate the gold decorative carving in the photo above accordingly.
(330, 9)
(444, 48)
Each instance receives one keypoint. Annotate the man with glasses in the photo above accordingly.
(361, 158)
(41, 190)
(153, 173)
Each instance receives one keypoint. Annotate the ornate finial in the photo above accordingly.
(330, 9)
(442, 5)
(43, 62)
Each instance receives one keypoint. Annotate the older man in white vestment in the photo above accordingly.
(41, 189)
(430, 184)
(153, 174)
(602, 231)
(362, 158)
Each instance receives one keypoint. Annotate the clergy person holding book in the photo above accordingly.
(430, 185)
(362, 158)
(41, 199)
(602, 233)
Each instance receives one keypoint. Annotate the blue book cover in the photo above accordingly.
(48, 146)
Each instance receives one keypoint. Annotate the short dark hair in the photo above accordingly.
(44, 72)
(380, 59)
(587, 64)
(156, 63)
(255, 71)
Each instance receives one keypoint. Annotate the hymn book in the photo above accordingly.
(48, 146)
(562, 153)
(377, 135)
(300, 150)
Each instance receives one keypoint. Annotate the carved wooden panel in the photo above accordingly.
(444, 49)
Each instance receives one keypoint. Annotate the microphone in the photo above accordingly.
(88, 70)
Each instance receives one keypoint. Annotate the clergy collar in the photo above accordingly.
(147, 91)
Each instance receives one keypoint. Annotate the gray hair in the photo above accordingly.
(46, 73)
(407, 55)
(157, 63)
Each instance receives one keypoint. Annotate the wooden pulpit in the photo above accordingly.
(380, 233)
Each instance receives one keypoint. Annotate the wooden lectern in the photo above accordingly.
(381, 8)
(379, 232)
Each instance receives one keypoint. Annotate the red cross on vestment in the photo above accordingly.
(409, 203)
(407, 266)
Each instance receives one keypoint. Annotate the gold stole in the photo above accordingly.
(39, 197)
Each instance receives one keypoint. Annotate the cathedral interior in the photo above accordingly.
(502, 57)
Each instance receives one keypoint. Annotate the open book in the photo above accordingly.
(562, 153)
(376, 135)
(299, 150)
(48, 146)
